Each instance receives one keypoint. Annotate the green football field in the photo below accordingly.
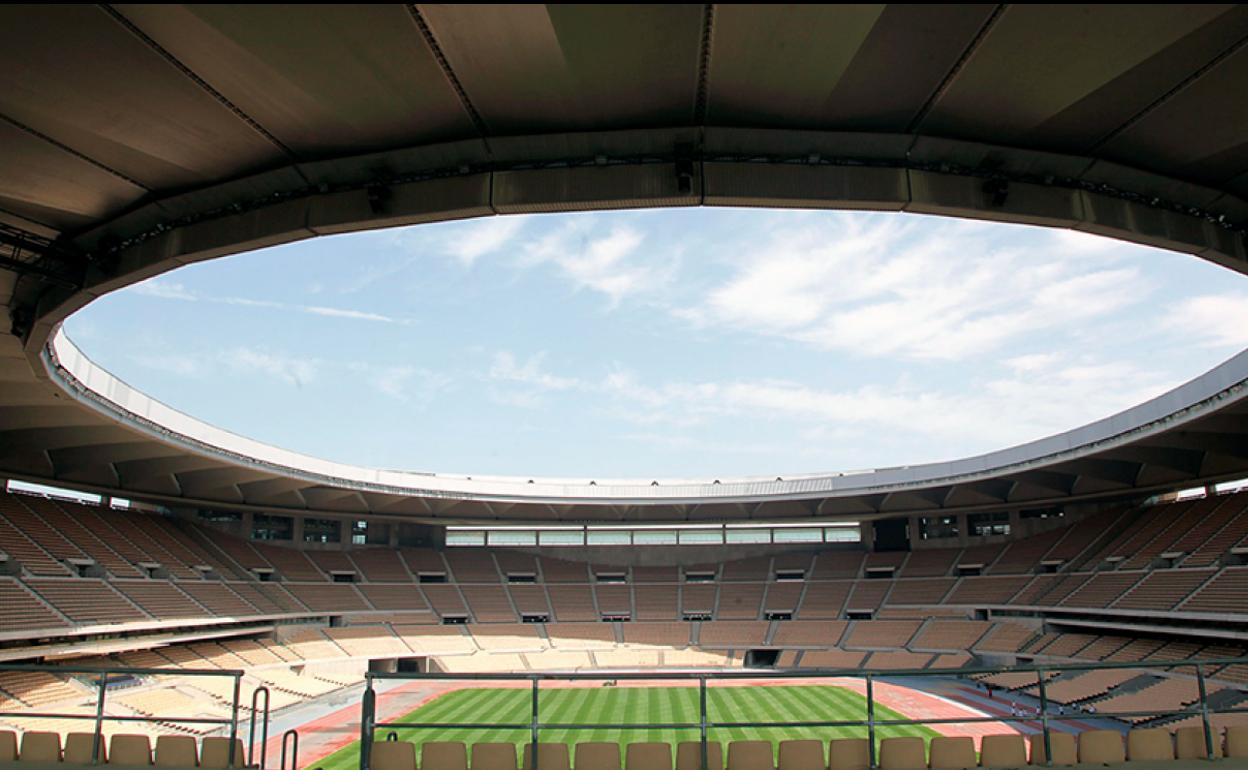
(631, 705)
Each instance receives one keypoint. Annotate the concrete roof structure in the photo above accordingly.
(135, 139)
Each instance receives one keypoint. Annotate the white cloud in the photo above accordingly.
(483, 237)
(176, 291)
(156, 287)
(1211, 320)
(608, 263)
(291, 370)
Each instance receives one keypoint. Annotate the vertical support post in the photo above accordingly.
(97, 739)
(533, 731)
(702, 717)
(871, 722)
(368, 709)
(1044, 718)
(231, 760)
(1204, 710)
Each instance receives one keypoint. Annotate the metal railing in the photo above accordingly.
(105, 675)
(1199, 708)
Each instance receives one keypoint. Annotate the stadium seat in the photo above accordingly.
(952, 753)
(444, 755)
(78, 748)
(597, 756)
(1237, 742)
(550, 756)
(393, 755)
(1150, 745)
(176, 751)
(1003, 751)
(801, 755)
(689, 755)
(215, 753)
(903, 754)
(1063, 744)
(1189, 743)
(849, 754)
(1101, 747)
(41, 747)
(647, 756)
(750, 755)
(8, 746)
(134, 750)
(493, 756)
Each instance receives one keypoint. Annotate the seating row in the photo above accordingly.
(128, 750)
(910, 753)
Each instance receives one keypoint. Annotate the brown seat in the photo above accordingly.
(1236, 742)
(689, 755)
(647, 756)
(78, 748)
(493, 756)
(1064, 751)
(176, 751)
(903, 754)
(802, 755)
(215, 753)
(597, 756)
(849, 754)
(8, 746)
(1003, 751)
(444, 755)
(1189, 743)
(750, 755)
(550, 756)
(134, 750)
(952, 753)
(1101, 747)
(1151, 745)
(393, 755)
(41, 747)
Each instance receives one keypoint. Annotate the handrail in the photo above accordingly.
(293, 735)
(264, 732)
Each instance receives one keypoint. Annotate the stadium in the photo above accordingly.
(175, 594)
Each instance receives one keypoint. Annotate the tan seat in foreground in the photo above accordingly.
(1150, 745)
(750, 755)
(393, 755)
(444, 755)
(647, 756)
(903, 754)
(689, 755)
(952, 753)
(1064, 752)
(1101, 747)
(133, 750)
(8, 746)
(597, 756)
(1236, 742)
(849, 754)
(493, 756)
(78, 748)
(41, 747)
(176, 751)
(801, 755)
(215, 753)
(1003, 751)
(1189, 743)
(550, 756)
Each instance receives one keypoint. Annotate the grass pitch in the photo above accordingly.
(623, 705)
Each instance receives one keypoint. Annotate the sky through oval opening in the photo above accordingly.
(673, 343)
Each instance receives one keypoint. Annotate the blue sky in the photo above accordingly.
(671, 343)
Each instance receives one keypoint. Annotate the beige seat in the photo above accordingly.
(550, 756)
(689, 755)
(8, 746)
(952, 753)
(1064, 752)
(176, 751)
(393, 755)
(1189, 743)
(1236, 742)
(802, 755)
(493, 756)
(444, 755)
(750, 755)
(78, 748)
(849, 754)
(215, 753)
(1101, 747)
(597, 756)
(133, 750)
(1152, 745)
(41, 747)
(1003, 751)
(903, 754)
(648, 756)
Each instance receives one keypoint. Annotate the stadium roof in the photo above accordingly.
(135, 139)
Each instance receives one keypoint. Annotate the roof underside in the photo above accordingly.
(136, 138)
